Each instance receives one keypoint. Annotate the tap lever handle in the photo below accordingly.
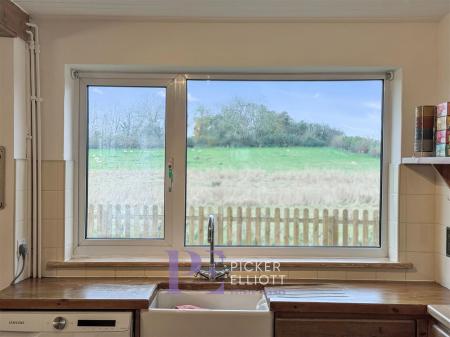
(211, 228)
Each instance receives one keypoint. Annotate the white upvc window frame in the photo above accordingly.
(176, 145)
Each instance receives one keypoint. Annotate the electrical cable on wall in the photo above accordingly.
(23, 252)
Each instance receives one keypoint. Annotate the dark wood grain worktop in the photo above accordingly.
(408, 298)
(79, 293)
(370, 297)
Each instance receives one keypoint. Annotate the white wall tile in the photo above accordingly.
(402, 236)
(395, 275)
(332, 274)
(402, 208)
(423, 267)
(420, 179)
(52, 233)
(100, 272)
(361, 275)
(439, 239)
(420, 237)
(442, 264)
(53, 175)
(66, 272)
(420, 208)
(130, 272)
(52, 205)
(303, 274)
(442, 209)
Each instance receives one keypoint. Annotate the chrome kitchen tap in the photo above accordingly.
(212, 273)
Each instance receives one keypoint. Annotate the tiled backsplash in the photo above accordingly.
(23, 208)
(442, 262)
(422, 205)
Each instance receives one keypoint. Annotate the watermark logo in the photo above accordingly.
(242, 272)
(257, 273)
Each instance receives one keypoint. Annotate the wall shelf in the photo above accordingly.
(441, 164)
(426, 160)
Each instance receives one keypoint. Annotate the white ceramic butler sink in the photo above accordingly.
(230, 314)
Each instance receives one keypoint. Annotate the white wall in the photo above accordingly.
(7, 140)
(442, 188)
(14, 218)
(245, 46)
(409, 47)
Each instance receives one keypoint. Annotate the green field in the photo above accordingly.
(268, 159)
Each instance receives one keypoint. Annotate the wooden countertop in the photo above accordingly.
(377, 297)
(400, 298)
(79, 293)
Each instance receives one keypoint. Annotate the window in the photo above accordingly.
(289, 165)
(285, 163)
(125, 162)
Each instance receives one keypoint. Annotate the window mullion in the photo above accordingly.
(176, 140)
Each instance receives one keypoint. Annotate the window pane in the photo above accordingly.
(285, 163)
(125, 162)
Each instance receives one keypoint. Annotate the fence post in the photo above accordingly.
(127, 221)
(201, 219)
(93, 222)
(316, 227)
(155, 216)
(326, 229)
(119, 224)
(109, 221)
(239, 226)
(191, 225)
(277, 226)
(138, 230)
(146, 221)
(365, 227)
(229, 226)
(287, 222)
(376, 228)
(335, 227)
(258, 226)
(101, 221)
(305, 227)
(220, 225)
(355, 222)
(345, 227)
(296, 226)
(267, 226)
(248, 228)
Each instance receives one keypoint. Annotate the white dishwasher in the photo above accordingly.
(65, 324)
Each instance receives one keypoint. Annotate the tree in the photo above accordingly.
(248, 124)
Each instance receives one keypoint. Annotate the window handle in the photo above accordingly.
(170, 173)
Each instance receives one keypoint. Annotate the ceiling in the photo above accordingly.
(240, 9)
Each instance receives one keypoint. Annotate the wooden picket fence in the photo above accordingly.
(243, 226)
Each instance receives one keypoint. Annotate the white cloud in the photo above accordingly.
(375, 105)
(192, 98)
(97, 91)
(161, 93)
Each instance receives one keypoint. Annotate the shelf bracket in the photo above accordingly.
(2, 176)
(444, 171)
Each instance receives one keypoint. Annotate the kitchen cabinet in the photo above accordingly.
(328, 327)
(438, 331)
(13, 21)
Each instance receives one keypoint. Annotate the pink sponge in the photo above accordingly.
(187, 307)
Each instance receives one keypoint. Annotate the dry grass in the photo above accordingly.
(247, 188)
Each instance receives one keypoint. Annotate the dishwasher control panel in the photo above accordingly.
(67, 321)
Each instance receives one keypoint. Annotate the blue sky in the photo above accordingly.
(351, 106)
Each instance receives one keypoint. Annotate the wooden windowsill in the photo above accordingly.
(284, 263)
